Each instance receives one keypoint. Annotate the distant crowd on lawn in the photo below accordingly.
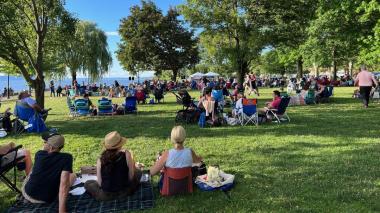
(117, 173)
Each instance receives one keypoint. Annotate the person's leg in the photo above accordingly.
(362, 94)
(73, 177)
(28, 162)
(367, 95)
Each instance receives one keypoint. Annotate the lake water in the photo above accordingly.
(19, 84)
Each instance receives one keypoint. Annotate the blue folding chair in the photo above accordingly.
(82, 107)
(249, 112)
(130, 105)
(219, 99)
(105, 107)
(25, 113)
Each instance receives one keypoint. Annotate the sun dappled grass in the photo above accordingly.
(326, 159)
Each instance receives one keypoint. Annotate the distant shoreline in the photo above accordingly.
(19, 84)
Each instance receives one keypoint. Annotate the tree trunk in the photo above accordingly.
(39, 91)
(334, 64)
(316, 69)
(174, 76)
(299, 67)
(243, 69)
(350, 66)
(73, 76)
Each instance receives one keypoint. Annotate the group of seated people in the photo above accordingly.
(52, 175)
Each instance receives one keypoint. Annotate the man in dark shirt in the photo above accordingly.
(51, 175)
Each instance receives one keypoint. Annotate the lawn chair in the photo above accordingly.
(82, 107)
(6, 167)
(177, 181)
(249, 112)
(310, 97)
(280, 114)
(26, 114)
(219, 99)
(71, 106)
(141, 97)
(105, 107)
(130, 105)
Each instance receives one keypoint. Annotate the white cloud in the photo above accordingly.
(112, 33)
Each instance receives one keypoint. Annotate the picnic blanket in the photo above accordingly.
(142, 199)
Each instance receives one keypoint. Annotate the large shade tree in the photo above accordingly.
(87, 51)
(152, 41)
(32, 33)
(241, 22)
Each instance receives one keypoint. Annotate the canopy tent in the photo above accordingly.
(197, 75)
(211, 74)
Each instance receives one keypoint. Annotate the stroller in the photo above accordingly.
(375, 94)
(184, 98)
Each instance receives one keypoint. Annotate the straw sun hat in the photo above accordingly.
(114, 140)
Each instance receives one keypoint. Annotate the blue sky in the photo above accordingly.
(107, 15)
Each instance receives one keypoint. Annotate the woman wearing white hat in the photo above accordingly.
(115, 171)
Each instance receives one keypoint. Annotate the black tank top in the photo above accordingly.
(116, 179)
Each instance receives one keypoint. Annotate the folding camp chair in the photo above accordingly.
(130, 105)
(23, 113)
(71, 106)
(249, 112)
(105, 107)
(219, 99)
(310, 97)
(6, 166)
(280, 114)
(82, 107)
(177, 181)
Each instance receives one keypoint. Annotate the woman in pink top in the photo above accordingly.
(365, 81)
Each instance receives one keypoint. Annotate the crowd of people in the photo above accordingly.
(117, 173)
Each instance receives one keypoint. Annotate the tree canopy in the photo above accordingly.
(152, 41)
(87, 51)
(32, 33)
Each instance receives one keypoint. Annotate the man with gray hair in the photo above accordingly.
(365, 80)
(52, 174)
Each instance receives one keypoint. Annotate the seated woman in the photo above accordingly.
(93, 109)
(271, 105)
(115, 171)
(6, 158)
(178, 157)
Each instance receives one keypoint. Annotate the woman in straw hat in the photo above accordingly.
(116, 171)
(179, 156)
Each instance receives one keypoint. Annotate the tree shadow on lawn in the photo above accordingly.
(355, 124)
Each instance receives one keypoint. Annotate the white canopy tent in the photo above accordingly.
(197, 75)
(211, 74)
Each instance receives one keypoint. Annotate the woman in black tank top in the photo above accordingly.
(116, 172)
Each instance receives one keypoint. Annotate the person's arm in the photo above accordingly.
(374, 80)
(37, 108)
(196, 158)
(356, 80)
(131, 164)
(63, 190)
(99, 171)
(159, 164)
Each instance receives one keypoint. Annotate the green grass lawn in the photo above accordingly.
(325, 160)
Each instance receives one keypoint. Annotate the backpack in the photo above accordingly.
(6, 123)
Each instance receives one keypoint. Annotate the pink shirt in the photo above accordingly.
(276, 102)
(365, 79)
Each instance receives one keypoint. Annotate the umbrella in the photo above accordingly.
(211, 74)
(197, 75)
